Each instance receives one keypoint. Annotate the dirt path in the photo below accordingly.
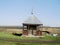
(29, 41)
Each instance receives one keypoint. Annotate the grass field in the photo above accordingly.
(9, 36)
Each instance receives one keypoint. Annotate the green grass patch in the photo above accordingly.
(11, 36)
(8, 35)
(50, 38)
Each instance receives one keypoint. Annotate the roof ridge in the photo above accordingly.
(32, 20)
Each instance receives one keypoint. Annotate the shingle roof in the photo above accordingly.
(32, 20)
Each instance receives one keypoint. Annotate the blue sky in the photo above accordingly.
(15, 12)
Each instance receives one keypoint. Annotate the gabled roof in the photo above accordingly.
(32, 20)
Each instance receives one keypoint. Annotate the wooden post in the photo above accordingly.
(23, 29)
(27, 30)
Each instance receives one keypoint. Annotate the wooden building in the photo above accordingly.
(31, 26)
